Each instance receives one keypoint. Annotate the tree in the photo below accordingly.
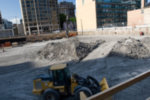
(72, 19)
(62, 19)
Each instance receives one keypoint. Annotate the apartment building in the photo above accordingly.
(39, 16)
(93, 14)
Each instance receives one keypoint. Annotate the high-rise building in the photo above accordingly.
(93, 14)
(67, 8)
(39, 16)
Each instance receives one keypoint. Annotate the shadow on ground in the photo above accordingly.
(16, 80)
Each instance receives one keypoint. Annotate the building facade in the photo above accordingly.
(20, 29)
(5, 33)
(93, 14)
(1, 21)
(67, 8)
(39, 16)
(112, 12)
(7, 24)
(140, 16)
(137, 3)
(147, 4)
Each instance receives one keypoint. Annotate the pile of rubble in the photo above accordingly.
(67, 50)
(130, 47)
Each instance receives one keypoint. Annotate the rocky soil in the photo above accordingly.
(118, 59)
(130, 47)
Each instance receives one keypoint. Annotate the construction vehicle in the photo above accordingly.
(59, 81)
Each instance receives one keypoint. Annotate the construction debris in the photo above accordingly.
(67, 50)
(130, 47)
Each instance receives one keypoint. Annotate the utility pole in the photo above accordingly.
(16, 26)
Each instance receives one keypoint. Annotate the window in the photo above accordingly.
(82, 2)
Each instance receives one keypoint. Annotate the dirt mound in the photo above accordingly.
(130, 48)
(67, 50)
(146, 41)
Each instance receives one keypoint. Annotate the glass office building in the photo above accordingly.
(112, 12)
(39, 16)
(147, 3)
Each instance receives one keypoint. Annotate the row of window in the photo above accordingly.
(111, 20)
(111, 11)
(114, 7)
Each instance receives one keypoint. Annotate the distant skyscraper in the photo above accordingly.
(39, 16)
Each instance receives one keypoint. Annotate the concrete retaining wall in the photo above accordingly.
(118, 31)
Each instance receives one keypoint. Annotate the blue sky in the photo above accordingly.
(10, 9)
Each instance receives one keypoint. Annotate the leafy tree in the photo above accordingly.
(62, 19)
(72, 19)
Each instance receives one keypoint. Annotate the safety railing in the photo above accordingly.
(105, 95)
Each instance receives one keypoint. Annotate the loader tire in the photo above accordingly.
(50, 94)
(86, 90)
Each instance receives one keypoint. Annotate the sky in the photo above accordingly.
(10, 9)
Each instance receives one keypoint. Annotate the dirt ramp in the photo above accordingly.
(67, 50)
(130, 47)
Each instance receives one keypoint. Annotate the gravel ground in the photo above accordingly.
(18, 67)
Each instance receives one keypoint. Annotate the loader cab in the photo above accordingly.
(61, 75)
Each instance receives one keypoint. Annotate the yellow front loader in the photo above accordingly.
(59, 81)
